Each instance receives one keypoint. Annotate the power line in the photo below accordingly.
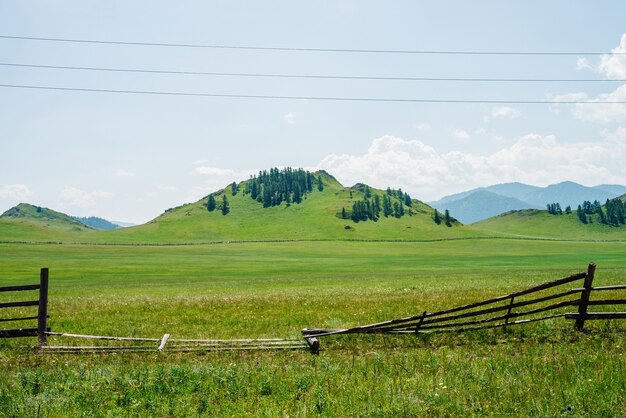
(311, 76)
(276, 97)
(275, 48)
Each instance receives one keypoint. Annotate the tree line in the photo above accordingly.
(272, 188)
(288, 185)
(372, 206)
(613, 212)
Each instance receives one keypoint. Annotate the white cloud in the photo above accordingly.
(15, 192)
(120, 172)
(74, 197)
(604, 112)
(423, 127)
(534, 159)
(216, 178)
(290, 118)
(461, 134)
(583, 64)
(613, 66)
(506, 112)
(214, 171)
(597, 110)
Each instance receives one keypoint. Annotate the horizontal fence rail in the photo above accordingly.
(501, 311)
(173, 344)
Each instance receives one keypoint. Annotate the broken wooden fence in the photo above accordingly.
(166, 343)
(538, 303)
(42, 313)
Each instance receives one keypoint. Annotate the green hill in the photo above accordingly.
(26, 222)
(319, 216)
(540, 224)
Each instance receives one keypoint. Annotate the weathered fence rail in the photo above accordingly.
(501, 311)
(42, 313)
(166, 343)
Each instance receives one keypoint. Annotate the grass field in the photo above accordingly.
(275, 289)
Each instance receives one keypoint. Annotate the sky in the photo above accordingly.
(128, 157)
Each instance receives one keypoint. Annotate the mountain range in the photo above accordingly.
(485, 202)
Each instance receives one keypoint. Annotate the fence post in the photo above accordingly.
(584, 297)
(42, 322)
(508, 314)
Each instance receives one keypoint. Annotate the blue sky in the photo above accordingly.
(130, 157)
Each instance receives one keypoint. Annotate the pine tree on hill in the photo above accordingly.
(437, 217)
(387, 208)
(225, 205)
(211, 203)
(407, 200)
(447, 218)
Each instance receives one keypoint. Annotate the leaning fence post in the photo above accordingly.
(42, 326)
(584, 297)
(508, 314)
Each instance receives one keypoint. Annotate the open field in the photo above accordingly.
(274, 290)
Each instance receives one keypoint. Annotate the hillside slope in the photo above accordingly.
(535, 223)
(26, 222)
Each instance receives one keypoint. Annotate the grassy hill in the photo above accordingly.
(26, 222)
(317, 217)
(540, 224)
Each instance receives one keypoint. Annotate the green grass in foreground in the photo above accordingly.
(274, 290)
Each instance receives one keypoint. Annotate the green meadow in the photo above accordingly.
(274, 289)
(269, 272)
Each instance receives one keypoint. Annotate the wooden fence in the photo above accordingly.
(538, 303)
(42, 314)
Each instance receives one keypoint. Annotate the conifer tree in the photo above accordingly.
(387, 208)
(225, 205)
(396, 209)
(447, 218)
(211, 203)
(320, 185)
(437, 217)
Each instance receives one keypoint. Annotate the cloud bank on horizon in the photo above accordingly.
(533, 159)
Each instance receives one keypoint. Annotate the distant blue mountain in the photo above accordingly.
(479, 205)
(485, 202)
(98, 223)
(613, 188)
